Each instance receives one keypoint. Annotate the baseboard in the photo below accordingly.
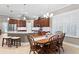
(25, 43)
(72, 36)
(70, 44)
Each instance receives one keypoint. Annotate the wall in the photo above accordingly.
(67, 22)
(3, 24)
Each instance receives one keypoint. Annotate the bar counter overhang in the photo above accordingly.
(22, 34)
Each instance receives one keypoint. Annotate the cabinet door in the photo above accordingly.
(12, 21)
(24, 23)
(46, 22)
(21, 23)
(42, 22)
(36, 23)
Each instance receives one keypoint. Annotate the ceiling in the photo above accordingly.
(29, 10)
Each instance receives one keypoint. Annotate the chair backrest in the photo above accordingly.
(61, 38)
(31, 40)
(53, 40)
(54, 37)
(58, 32)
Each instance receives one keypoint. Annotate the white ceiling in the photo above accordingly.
(30, 10)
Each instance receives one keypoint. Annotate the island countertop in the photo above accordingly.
(19, 32)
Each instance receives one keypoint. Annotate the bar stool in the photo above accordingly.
(16, 41)
(8, 41)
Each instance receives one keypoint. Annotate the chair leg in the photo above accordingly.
(34, 52)
(2, 42)
(6, 42)
(59, 50)
(62, 49)
(16, 42)
(19, 42)
(9, 43)
(30, 51)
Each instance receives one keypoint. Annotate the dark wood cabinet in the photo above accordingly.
(19, 23)
(13, 21)
(36, 23)
(42, 22)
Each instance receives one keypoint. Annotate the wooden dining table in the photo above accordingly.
(43, 41)
(46, 44)
(43, 44)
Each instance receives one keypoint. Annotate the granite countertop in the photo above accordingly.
(19, 32)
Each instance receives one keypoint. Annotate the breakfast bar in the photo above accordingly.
(23, 35)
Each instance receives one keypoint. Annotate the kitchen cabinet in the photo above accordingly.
(42, 22)
(19, 23)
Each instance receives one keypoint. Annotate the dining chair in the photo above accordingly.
(53, 37)
(53, 48)
(58, 32)
(8, 41)
(33, 46)
(16, 41)
(60, 41)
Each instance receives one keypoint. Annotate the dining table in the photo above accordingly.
(43, 41)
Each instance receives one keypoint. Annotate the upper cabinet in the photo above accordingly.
(12, 21)
(19, 23)
(42, 22)
(36, 23)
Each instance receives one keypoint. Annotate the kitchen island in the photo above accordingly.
(22, 34)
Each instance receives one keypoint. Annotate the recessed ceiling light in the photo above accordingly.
(44, 15)
(24, 18)
(11, 10)
(47, 14)
(8, 18)
(25, 4)
(7, 6)
(51, 14)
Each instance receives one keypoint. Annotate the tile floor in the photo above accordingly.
(24, 49)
